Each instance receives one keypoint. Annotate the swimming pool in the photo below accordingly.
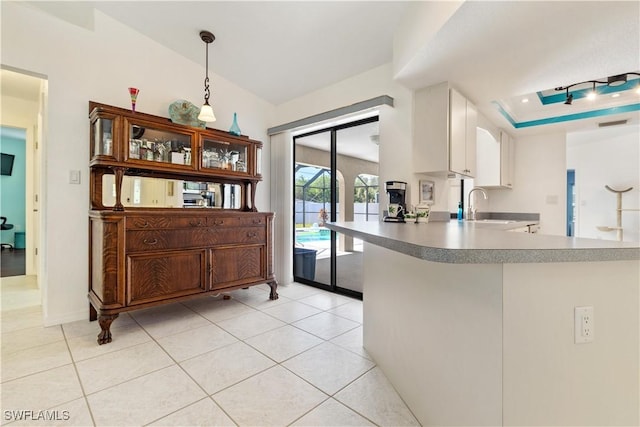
(312, 235)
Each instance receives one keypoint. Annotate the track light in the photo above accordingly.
(613, 81)
(592, 94)
(617, 80)
(569, 98)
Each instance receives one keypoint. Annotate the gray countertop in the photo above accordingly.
(479, 242)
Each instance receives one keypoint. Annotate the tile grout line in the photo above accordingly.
(207, 395)
(75, 368)
(323, 340)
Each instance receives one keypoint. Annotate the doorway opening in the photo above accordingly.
(23, 96)
(335, 179)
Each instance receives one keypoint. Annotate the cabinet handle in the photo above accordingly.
(145, 224)
(218, 222)
(252, 234)
(150, 242)
(195, 224)
(257, 221)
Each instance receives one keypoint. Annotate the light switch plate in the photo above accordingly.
(74, 177)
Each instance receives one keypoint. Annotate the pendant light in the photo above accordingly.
(206, 112)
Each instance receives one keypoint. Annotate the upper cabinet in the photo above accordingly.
(444, 139)
(126, 143)
(494, 160)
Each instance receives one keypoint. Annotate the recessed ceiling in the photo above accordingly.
(574, 103)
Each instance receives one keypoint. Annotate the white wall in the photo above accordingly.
(100, 64)
(539, 182)
(608, 156)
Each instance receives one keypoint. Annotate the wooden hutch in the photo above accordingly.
(173, 214)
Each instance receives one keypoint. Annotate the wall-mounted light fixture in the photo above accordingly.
(206, 112)
(612, 81)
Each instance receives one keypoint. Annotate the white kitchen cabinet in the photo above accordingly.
(494, 160)
(444, 139)
(506, 160)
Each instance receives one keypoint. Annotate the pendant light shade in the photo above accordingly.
(206, 112)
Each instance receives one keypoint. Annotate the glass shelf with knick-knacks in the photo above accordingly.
(151, 144)
(228, 156)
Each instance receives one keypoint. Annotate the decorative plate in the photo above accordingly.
(185, 113)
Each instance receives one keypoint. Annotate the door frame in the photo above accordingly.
(333, 131)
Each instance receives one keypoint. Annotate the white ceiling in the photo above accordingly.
(491, 51)
(277, 50)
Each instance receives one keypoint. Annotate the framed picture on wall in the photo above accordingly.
(427, 192)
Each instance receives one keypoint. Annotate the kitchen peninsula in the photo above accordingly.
(474, 325)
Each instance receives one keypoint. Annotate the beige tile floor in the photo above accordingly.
(244, 361)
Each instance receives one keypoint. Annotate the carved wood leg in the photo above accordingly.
(273, 295)
(93, 314)
(104, 337)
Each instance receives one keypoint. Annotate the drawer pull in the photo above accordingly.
(218, 222)
(144, 224)
(150, 241)
(257, 221)
(252, 234)
(196, 223)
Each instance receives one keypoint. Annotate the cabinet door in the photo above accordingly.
(218, 155)
(506, 163)
(488, 155)
(154, 145)
(457, 133)
(237, 265)
(471, 132)
(161, 275)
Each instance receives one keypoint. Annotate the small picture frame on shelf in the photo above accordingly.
(427, 189)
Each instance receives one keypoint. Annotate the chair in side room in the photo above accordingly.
(4, 226)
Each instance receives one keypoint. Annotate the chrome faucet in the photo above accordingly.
(471, 212)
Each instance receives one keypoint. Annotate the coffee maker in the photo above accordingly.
(397, 207)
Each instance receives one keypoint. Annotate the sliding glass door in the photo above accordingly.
(336, 179)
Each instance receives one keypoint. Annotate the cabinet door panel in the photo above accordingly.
(506, 154)
(471, 128)
(231, 266)
(457, 133)
(162, 275)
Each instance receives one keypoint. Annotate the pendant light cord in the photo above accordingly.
(207, 93)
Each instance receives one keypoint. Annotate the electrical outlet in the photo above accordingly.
(584, 325)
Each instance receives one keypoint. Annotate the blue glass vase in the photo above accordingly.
(235, 129)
